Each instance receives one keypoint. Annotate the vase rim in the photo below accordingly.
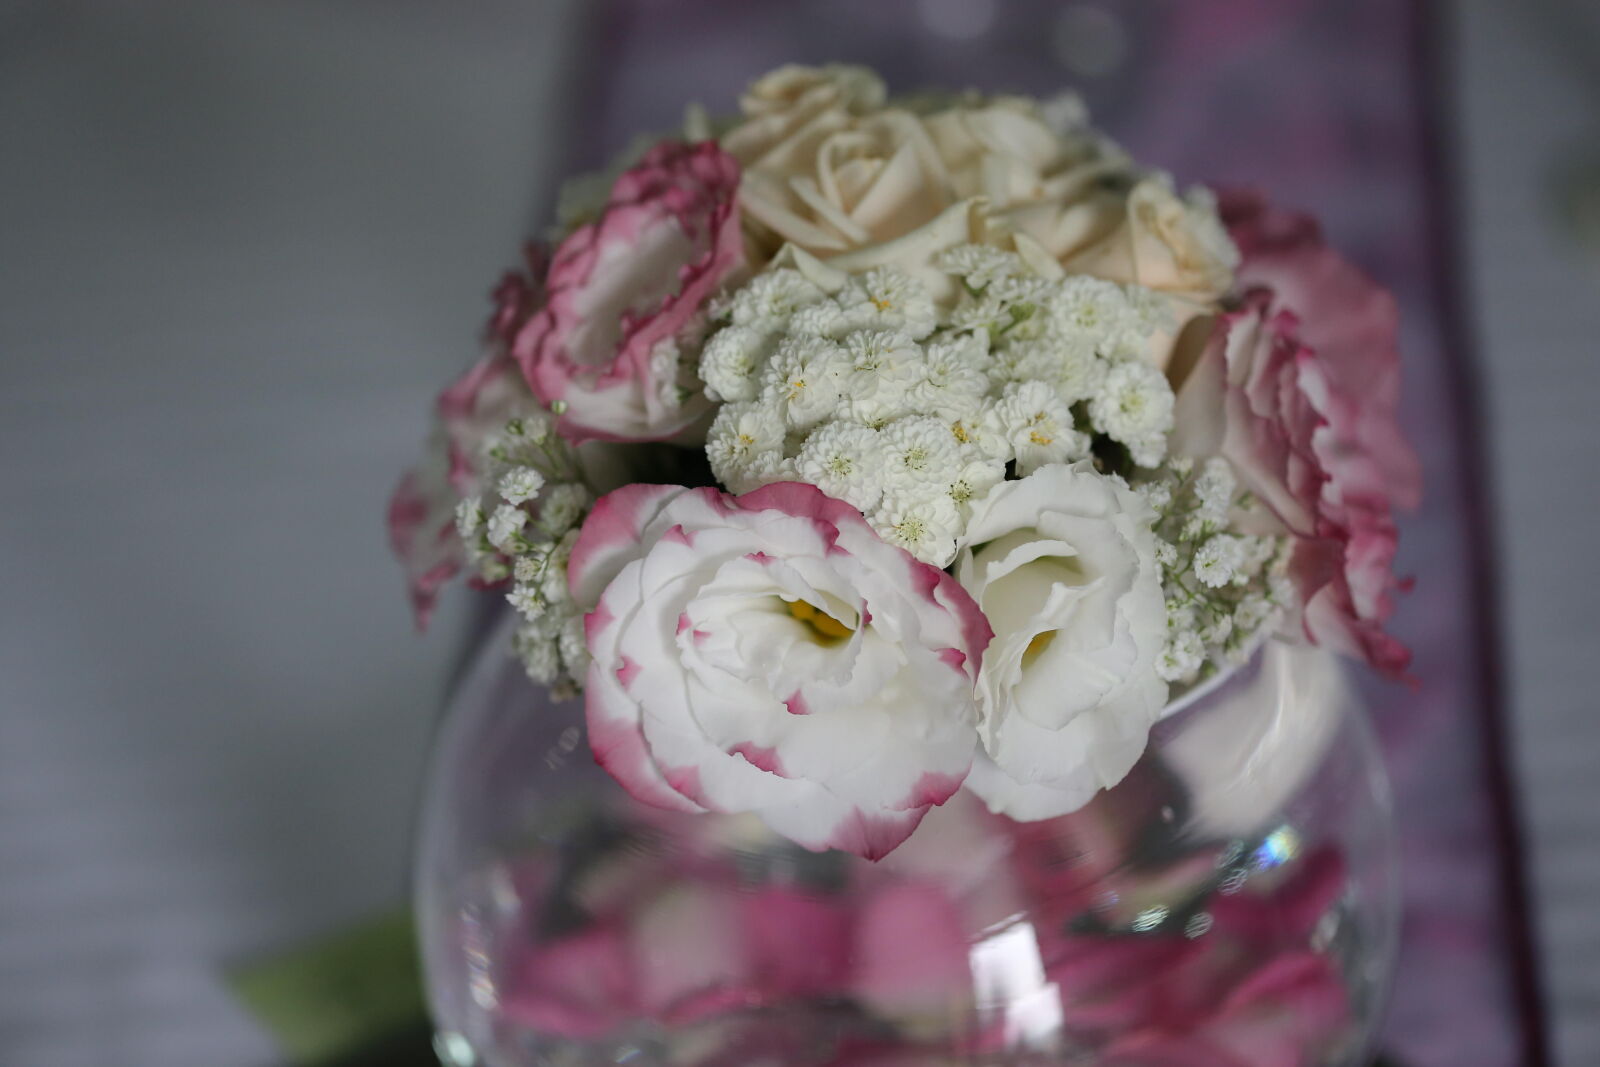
(1200, 691)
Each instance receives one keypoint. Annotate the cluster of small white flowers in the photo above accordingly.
(1222, 587)
(870, 395)
(524, 531)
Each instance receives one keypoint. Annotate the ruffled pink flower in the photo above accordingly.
(1352, 323)
(771, 654)
(1301, 401)
(623, 289)
(421, 517)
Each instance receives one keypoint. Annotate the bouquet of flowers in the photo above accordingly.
(851, 456)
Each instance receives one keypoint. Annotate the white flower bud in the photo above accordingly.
(505, 524)
(521, 484)
(469, 517)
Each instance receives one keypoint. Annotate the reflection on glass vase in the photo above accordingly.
(1230, 904)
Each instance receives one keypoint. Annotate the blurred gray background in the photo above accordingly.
(242, 244)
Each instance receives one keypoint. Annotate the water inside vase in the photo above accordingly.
(627, 936)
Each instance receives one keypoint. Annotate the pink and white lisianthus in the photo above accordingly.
(625, 290)
(771, 654)
(1301, 401)
(1352, 323)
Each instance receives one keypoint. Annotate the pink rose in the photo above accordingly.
(1301, 401)
(624, 289)
(771, 654)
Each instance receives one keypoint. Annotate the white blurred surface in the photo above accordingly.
(240, 247)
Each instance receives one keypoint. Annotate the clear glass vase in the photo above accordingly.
(1230, 904)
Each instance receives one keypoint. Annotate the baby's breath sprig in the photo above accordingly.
(523, 532)
(1223, 588)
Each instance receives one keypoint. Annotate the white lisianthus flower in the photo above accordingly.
(770, 654)
(1063, 564)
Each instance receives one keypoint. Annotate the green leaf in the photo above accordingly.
(348, 999)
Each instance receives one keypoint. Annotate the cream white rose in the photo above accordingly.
(843, 182)
(786, 101)
(1141, 232)
(1004, 151)
(830, 171)
(1063, 565)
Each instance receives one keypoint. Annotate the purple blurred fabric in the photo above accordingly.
(1321, 104)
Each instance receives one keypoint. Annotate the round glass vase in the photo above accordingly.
(1231, 903)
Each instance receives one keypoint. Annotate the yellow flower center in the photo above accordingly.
(1036, 647)
(825, 629)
